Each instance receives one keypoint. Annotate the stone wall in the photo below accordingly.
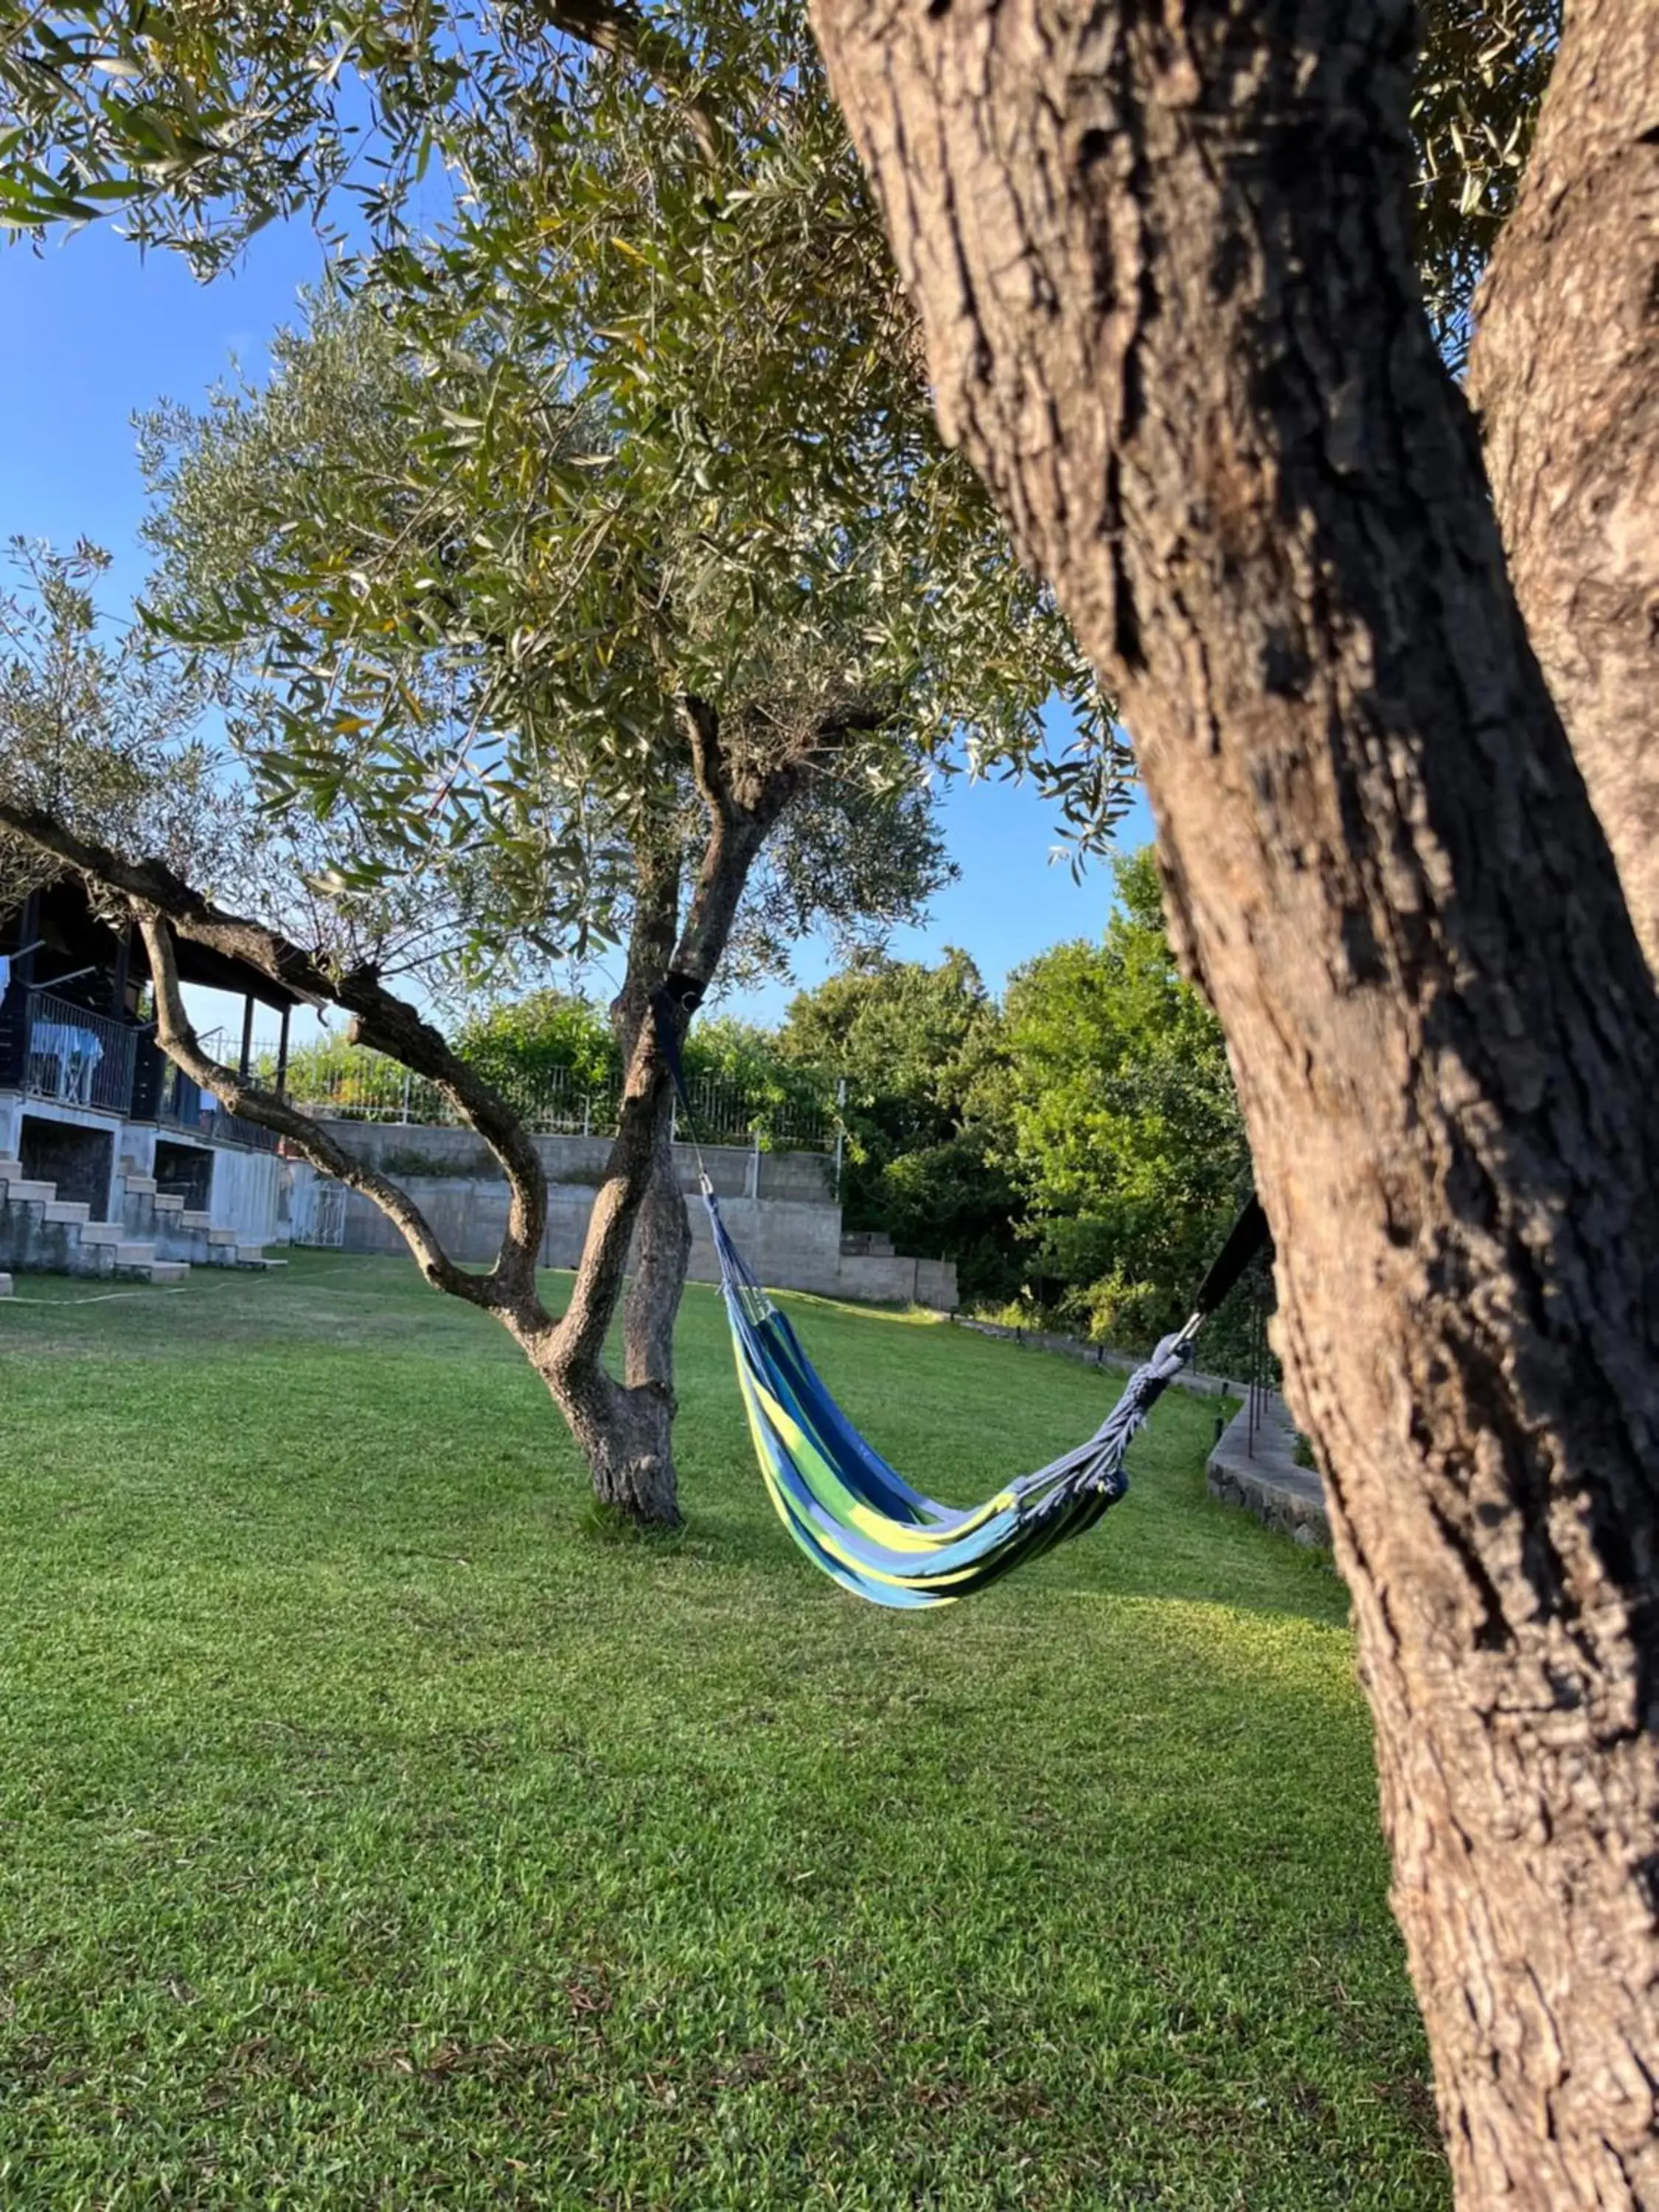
(1263, 1474)
(779, 1207)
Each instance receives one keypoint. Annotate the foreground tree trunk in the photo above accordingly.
(1565, 370)
(1163, 257)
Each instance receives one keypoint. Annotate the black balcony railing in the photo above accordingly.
(76, 1056)
(181, 1105)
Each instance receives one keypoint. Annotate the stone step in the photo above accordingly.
(140, 1186)
(191, 1218)
(21, 1192)
(11, 1170)
(67, 1209)
(167, 1201)
(103, 1232)
(140, 1260)
(222, 1237)
(250, 1255)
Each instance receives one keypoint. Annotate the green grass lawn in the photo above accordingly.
(376, 1831)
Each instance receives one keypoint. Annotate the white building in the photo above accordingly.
(111, 1162)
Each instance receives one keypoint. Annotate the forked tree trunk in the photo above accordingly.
(624, 1429)
(1163, 259)
(1565, 370)
(626, 1437)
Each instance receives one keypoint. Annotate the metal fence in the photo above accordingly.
(182, 1105)
(76, 1056)
(1259, 1290)
(355, 1085)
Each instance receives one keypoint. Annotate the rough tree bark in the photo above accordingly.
(1163, 257)
(1564, 371)
(628, 1431)
(662, 1234)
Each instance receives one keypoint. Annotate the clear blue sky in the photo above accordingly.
(92, 333)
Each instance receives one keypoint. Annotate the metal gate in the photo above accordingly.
(319, 1210)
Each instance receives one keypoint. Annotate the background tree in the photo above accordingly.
(94, 732)
(583, 550)
(1125, 1134)
(528, 1046)
(919, 1050)
(524, 1041)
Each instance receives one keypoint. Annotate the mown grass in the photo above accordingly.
(373, 1833)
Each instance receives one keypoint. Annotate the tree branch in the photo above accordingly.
(701, 726)
(616, 27)
(740, 820)
(178, 1039)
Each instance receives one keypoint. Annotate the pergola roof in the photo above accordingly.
(69, 928)
(217, 971)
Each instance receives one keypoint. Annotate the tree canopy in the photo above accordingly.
(96, 731)
(194, 135)
(914, 1053)
(621, 435)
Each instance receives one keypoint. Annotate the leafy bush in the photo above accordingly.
(548, 1033)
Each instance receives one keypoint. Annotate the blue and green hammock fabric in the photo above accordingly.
(852, 1514)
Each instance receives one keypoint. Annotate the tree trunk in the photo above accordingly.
(662, 1233)
(1162, 256)
(1565, 370)
(626, 1436)
(625, 1430)
(638, 1206)
(662, 1251)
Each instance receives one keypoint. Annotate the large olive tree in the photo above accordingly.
(597, 561)
(1164, 258)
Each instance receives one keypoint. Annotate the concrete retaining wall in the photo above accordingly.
(778, 1205)
(430, 1154)
(1268, 1481)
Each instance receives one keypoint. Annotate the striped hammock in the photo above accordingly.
(862, 1522)
(851, 1514)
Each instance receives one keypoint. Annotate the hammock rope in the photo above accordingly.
(854, 1516)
